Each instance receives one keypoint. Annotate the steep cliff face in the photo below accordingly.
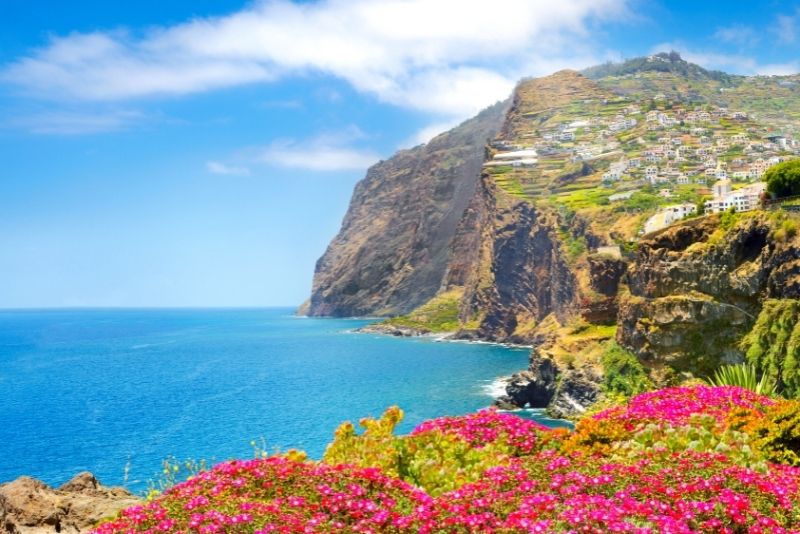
(520, 275)
(508, 252)
(392, 251)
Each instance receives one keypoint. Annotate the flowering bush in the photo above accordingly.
(277, 495)
(440, 454)
(675, 419)
(519, 436)
(690, 492)
(775, 434)
(677, 406)
(675, 460)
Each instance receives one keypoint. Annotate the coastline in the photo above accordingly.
(449, 337)
(496, 389)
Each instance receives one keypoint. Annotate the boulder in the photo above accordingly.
(29, 506)
(577, 390)
(534, 387)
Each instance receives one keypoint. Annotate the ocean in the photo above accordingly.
(115, 392)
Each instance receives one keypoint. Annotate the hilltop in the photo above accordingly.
(568, 219)
(664, 62)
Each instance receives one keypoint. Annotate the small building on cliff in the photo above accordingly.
(747, 198)
(668, 215)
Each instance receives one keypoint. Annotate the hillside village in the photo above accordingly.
(685, 157)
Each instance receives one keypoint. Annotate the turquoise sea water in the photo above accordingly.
(111, 391)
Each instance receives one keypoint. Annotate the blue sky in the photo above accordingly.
(202, 153)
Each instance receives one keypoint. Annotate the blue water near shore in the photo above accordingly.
(111, 391)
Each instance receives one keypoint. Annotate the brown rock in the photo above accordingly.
(391, 253)
(29, 506)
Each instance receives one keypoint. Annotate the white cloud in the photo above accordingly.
(737, 34)
(786, 28)
(215, 167)
(779, 69)
(447, 56)
(429, 132)
(76, 123)
(325, 152)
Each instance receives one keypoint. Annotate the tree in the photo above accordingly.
(700, 206)
(783, 179)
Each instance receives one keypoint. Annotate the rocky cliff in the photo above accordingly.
(697, 288)
(392, 251)
(473, 236)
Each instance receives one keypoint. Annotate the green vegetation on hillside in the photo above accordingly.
(783, 179)
(440, 314)
(662, 62)
(773, 345)
(624, 373)
(744, 376)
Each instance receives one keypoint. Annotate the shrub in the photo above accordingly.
(744, 376)
(516, 435)
(624, 373)
(783, 179)
(688, 459)
(690, 492)
(789, 227)
(775, 433)
(678, 406)
(728, 219)
(773, 344)
(615, 429)
(439, 455)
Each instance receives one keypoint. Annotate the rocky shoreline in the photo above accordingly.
(394, 330)
(29, 506)
(564, 393)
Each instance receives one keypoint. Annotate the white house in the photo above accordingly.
(517, 154)
(668, 215)
(745, 199)
(721, 188)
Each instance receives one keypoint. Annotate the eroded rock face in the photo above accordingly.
(577, 390)
(29, 506)
(564, 392)
(520, 273)
(392, 252)
(534, 387)
(693, 298)
(680, 260)
(605, 273)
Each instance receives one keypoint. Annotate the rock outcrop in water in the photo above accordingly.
(28, 506)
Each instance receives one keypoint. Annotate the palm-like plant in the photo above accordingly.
(746, 376)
